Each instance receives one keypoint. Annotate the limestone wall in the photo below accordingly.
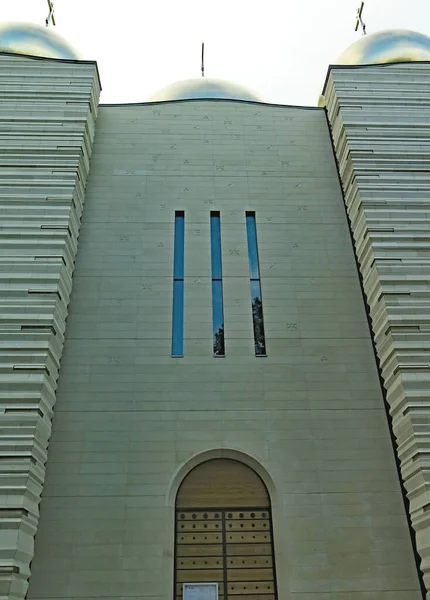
(131, 420)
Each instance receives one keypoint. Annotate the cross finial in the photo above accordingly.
(203, 59)
(360, 19)
(51, 16)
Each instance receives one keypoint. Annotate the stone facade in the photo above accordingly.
(380, 117)
(47, 120)
(131, 420)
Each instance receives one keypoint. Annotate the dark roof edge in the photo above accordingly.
(74, 61)
(389, 64)
(253, 102)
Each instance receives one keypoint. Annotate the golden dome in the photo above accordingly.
(34, 40)
(202, 87)
(391, 45)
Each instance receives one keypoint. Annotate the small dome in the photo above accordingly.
(34, 40)
(202, 87)
(391, 45)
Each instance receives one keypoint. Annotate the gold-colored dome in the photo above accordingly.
(203, 87)
(34, 40)
(391, 45)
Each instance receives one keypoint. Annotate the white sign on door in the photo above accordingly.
(200, 591)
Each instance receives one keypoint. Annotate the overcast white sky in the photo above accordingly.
(279, 48)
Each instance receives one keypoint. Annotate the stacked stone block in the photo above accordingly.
(47, 120)
(380, 121)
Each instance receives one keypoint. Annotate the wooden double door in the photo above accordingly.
(229, 545)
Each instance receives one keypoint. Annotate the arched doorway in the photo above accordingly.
(224, 532)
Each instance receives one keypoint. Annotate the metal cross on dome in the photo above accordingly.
(360, 19)
(51, 16)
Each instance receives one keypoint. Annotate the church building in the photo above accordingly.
(214, 333)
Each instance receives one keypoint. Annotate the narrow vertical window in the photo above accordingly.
(217, 299)
(254, 274)
(178, 286)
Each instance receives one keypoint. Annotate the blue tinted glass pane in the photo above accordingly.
(255, 290)
(218, 319)
(216, 246)
(178, 268)
(251, 233)
(178, 318)
(257, 318)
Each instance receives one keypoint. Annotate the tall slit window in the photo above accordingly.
(217, 296)
(256, 298)
(178, 286)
